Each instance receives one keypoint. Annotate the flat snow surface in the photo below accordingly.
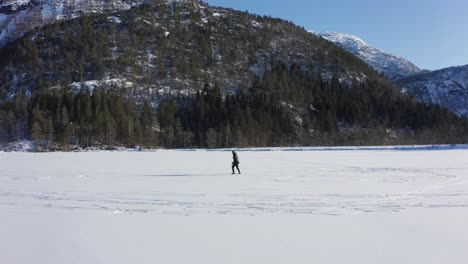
(361, 206)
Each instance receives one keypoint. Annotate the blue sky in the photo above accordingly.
(433, 34)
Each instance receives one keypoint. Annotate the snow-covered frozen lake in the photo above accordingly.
(338, 206)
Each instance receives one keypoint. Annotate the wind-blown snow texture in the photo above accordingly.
(447, 87)
(390, 65)
(365, 206)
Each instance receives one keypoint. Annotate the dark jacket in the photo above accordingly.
(235, 159)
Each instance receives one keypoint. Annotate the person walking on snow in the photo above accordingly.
(235, 162)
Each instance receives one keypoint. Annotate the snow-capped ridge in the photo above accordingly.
(446, 87)
(391, 66)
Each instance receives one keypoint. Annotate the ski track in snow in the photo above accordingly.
(198, 182)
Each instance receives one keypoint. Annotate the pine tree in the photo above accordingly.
(211, 138)
(50, 130)
(65, 125)
(36, 132)
(168, 137)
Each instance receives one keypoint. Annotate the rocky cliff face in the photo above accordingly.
(19, 16)
(447, 87)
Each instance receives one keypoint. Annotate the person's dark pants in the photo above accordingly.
(234, 165)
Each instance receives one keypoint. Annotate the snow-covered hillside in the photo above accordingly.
(19, 16)
(364, 206)
(447, 87)
(390, 65)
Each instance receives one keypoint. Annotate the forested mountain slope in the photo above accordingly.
(187, 74)
(446, 87)
(19, 16)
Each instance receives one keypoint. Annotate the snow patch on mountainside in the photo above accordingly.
(390, 65)
(447, 87)
(13, 4)
(115, 83)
